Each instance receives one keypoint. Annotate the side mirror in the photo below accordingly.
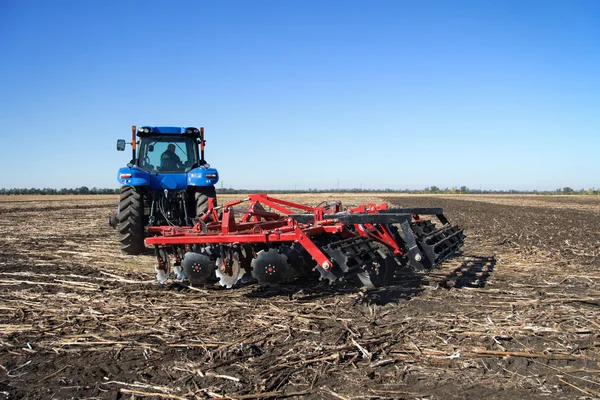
(150, 147)
(121, 144)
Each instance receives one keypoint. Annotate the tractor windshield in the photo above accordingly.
(168, 153)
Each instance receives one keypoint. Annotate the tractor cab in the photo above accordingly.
(166, 149)
(168, 153)
(167, 157)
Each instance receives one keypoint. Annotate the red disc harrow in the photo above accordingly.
(277, 241)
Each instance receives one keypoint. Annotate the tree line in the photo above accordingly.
(428, 190)
(63, 191)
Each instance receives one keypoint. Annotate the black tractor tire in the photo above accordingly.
(201, 195)
(131, 220)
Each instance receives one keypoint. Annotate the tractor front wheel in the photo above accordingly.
(131, 220)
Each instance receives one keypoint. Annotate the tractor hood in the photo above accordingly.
(136, 176)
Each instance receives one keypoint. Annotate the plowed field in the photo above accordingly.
(515, 316)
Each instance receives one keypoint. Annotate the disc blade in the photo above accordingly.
(380, 273)
(229, 272)
(270, 267)
(198, 268)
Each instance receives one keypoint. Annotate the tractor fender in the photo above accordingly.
(202, 176)
(133, 177)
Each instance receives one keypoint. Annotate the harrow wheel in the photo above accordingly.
(131, 220)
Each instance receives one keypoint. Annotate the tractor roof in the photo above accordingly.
(167, 130)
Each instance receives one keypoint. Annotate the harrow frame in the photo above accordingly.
(362, 236)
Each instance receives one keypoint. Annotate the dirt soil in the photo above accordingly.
(515, 316)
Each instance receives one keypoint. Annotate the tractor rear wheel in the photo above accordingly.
(201, 195)
(131, 220)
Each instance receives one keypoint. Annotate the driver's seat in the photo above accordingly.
(167, 165)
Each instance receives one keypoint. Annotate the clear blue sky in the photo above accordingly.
(383, 94)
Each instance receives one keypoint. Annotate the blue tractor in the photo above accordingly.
(167, 182)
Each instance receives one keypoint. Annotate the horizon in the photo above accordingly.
(299, 95)
(427, 190)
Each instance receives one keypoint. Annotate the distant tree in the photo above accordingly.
(464, 189)
(83, 190)
(435, 189)
(567, 190)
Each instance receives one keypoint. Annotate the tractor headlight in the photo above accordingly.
(192, 131)
(144, 129)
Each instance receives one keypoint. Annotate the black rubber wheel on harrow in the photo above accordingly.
(201, 196)
(131, 220)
